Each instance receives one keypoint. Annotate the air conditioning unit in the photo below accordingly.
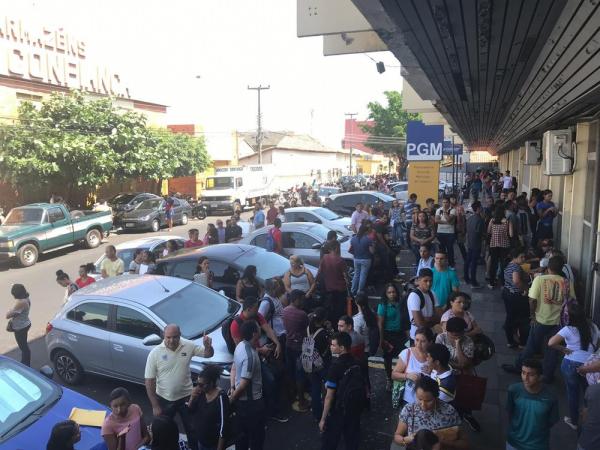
(558, 154)
(533, 153)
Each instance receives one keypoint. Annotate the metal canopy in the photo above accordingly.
(499, 70)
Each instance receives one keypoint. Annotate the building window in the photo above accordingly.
(23, 97)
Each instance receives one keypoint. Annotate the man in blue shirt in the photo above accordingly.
(259, 217)
(532, 410)
(546, 210)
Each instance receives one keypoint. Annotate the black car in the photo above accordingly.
(127, 201)
(344, 204)
(227, 263)
(151, 214)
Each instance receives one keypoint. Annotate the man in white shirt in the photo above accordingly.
(507, 181)
(357, 217)
(445, 218)
(167, 376)
(421, 303)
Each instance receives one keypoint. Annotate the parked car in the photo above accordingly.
(345, 203)
(304, 239)
(126, 201)
(400, 190)
(33, 403)
(317, 214)
(108, 327)
(227, 263)
(151, 215)
(126, 250)
(39, 228)
(326, 191)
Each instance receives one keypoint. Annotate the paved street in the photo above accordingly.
(40, 280)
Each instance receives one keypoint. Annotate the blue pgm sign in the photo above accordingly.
(447, 150)
(424, 142)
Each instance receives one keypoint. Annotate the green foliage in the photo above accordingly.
(76, 144)
(390, 122)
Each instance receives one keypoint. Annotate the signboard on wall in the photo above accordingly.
(424, 142)
(423, 180)
(448, 146)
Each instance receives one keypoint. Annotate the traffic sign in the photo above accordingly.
(447, 149)
(424, 142)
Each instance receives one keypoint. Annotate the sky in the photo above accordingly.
(198, 58)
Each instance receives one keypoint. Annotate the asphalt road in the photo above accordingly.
(40, 280)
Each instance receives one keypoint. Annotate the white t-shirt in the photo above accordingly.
(277, 317)
(573, 341)
(445, 227)
(360, 326)
(413, 366)
(357, 218)
(414, 304)
(507, 182)
(424, 264)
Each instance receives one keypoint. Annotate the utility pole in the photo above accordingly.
(259, 133)
(351, 115)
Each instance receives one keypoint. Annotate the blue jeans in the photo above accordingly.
(398, 234)
(447, 244)
(538, 338)
(361, 271)
(575, 384)
(471, 265)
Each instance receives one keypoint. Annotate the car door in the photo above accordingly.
(177, 211)
(348, 204)
(61, 230)
(225, 277)
(184, 269)
(88, 336)
(301, 244)
(127, 352)
(306, 216)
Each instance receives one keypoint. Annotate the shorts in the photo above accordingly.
(169, 214)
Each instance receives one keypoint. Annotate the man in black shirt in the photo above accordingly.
(233, 231)
(340, 419)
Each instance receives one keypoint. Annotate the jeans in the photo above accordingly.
(251, 419)
(317, 379)
(471, 265)
(338, 425)
(361, 271)
(517, 316)
(171, 408)
(21, 338)
(538, 340)
(497, 257)
(447, 244)
(335, 303)
(271, 390)
(398, 234)
(575, 384)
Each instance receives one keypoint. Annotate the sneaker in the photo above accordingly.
(510, 368)
(472, 422)
(570, 423)
(280, 418)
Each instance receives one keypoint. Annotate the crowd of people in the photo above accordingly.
(303, 341)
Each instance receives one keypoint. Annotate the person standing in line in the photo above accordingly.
(500, 231)
(422, 233)
(272, 213)
(475, 228)
(111, 265)
(194, 239)
(258, 220)
(532, 410)
(421, 303)
(277, 236)
(124, 428)
(63, 280)
(221, 231)
(507, 181)
(445, 218)
(409, 208)
(546, 210)
(334, 275)
(427, 260)
(516, 304)
(445, 281)
(576, 341)
(357, 218)
(412, 363)
(233, 233)
(365, 324)
(589, 439)
(18, 320)
(167, 376)
(246, 389)
(460, 226)
(211, 237)
(363, 249)
(299, 277)
(84, 275)
(396, 223)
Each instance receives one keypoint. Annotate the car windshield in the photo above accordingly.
(22, 395)
(268, 264)
(219, 183)
(385, 197)
(324, 191)
(326, 214)
(151, 204)
(196, 309)
(122, 198)
(22, 216)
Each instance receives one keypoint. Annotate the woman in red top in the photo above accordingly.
(84, 278)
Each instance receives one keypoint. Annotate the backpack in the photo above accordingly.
(310, 357)
(351, 394)
(226, 332)
(567, 301)
(404, 303)
(484, 348)
(270, 243)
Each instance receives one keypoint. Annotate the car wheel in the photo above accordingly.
(184, 219)
(93, 238)
(155, 225)
(67, 367)
(27, 255)
(202, 214)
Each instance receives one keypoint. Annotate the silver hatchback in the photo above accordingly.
(109, 327)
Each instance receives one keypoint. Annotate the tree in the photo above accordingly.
(73, 144)
(388, 132)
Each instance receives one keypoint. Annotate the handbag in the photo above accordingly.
(9, 326)
(398, 387)
(470, 392)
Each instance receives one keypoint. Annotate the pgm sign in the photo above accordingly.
(424, 142)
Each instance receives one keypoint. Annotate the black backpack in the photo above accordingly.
(351, 394)
(226, 332)
(406, 322)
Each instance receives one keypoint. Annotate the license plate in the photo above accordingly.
(129, 225)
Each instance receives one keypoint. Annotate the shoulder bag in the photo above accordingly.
(399, 386)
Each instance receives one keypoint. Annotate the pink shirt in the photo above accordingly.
(114, 424)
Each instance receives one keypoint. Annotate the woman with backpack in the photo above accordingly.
(272, 304)
(319, 336)
(248, 285)
(500, 231)
(576, 341)
(392, 328)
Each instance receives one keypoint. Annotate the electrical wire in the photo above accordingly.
(386, 65)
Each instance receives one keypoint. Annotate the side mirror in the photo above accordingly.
(153, 339)
(317, 246)
(47, 372)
